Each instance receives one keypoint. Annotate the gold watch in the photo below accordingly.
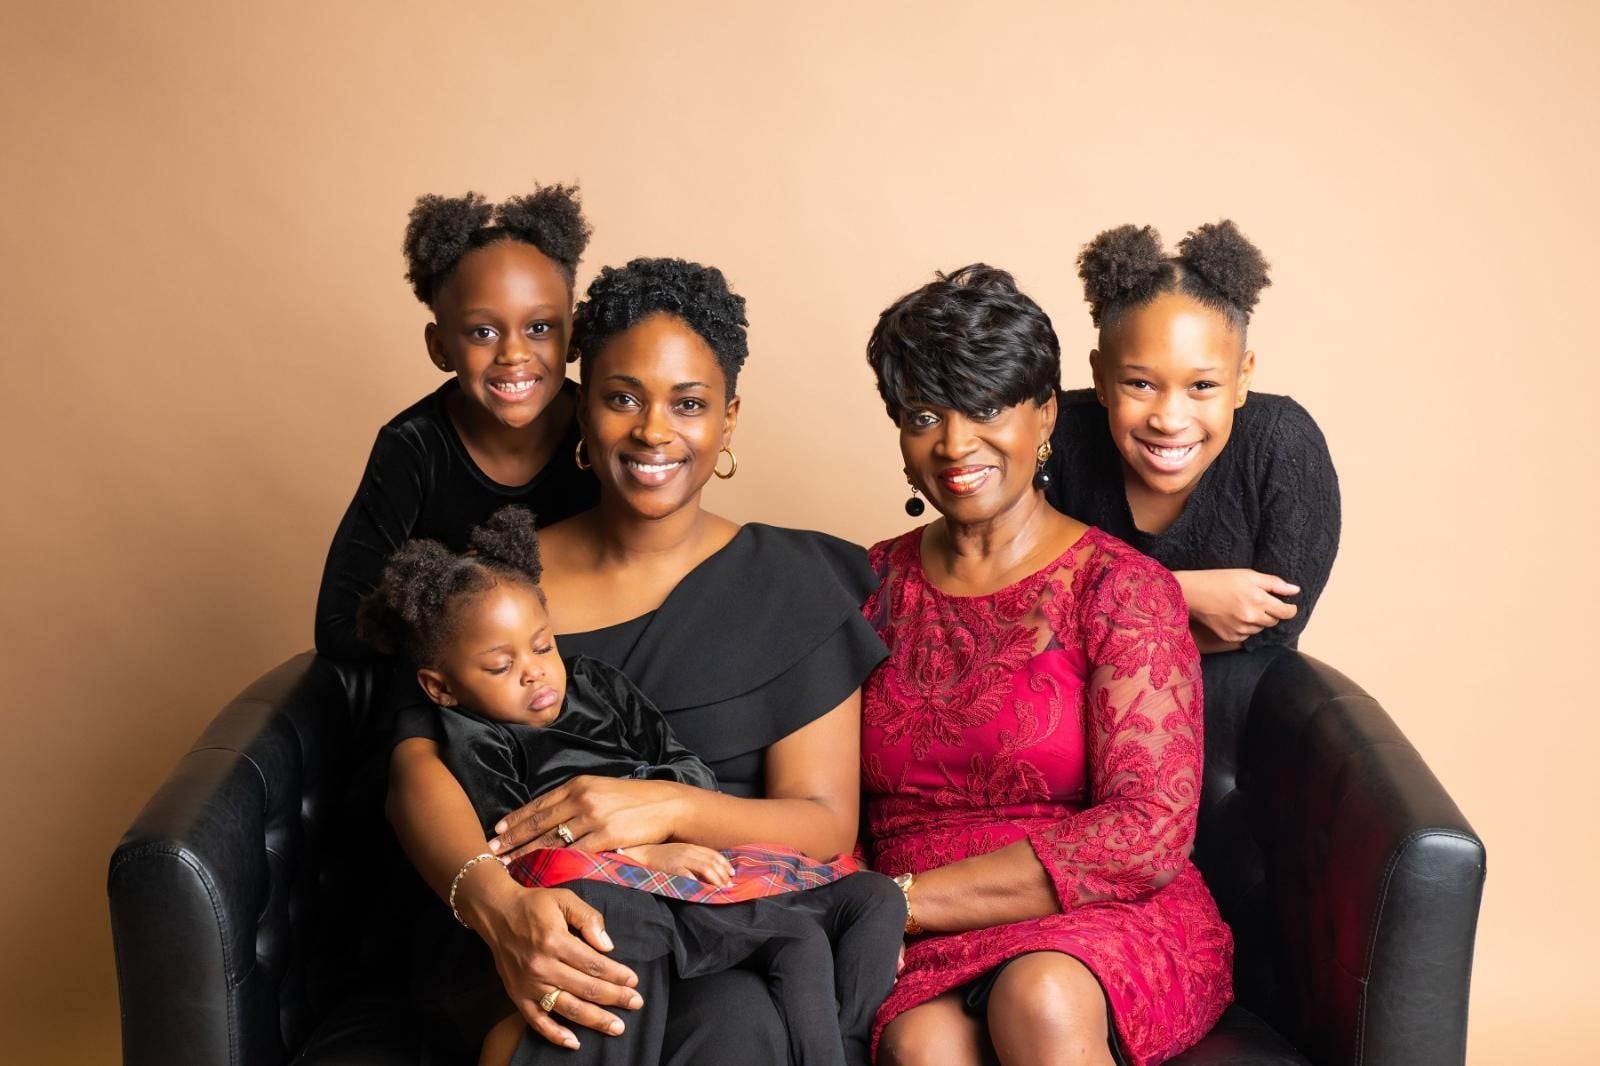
(905, 881)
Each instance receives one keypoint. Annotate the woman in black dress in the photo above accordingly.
(749, 639)
(1232, 490)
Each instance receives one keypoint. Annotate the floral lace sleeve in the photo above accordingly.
(1144, 737)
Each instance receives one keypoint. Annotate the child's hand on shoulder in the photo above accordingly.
(684, 860)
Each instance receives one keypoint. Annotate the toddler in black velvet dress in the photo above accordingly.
(518, 721)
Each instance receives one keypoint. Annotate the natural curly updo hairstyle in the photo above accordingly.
(619, 298)
(1125, 268)
(970, 341)
(425, 585)
(445, 228)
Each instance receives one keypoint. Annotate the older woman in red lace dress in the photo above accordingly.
(1032, 747)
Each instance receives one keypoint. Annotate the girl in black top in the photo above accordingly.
(498, 279)
(1233, 491)
(516, 721)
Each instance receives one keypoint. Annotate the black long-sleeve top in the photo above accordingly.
(1269, 502)
(421, 482)
(606, 727)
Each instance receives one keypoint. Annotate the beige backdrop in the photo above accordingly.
(204, 322)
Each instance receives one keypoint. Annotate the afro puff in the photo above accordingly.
(969, 341)
(1125, 268)
(413, 609)
(619, 298)
(1224, 262)
(443, 229)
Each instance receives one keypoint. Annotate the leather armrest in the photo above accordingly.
(1375, 875)
(205, 887)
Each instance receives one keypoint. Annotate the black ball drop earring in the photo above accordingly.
(1041, 476)
(914, 506)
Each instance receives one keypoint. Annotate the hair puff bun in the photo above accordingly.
(1225, 260)
(1121, 267)
(509, 539)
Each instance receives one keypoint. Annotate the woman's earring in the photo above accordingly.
(577, 456)
(1240, 401)
(1041, 476)
(914, 506)
(732, 469)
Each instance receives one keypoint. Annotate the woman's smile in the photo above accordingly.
(966, 480)
(651, 471)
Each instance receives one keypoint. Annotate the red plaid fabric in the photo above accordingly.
(758, 870)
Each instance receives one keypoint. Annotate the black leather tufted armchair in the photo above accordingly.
(261, 912)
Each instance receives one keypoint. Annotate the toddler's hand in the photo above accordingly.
(685, 860)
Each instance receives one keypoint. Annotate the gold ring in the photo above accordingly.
(566, 838)
(547, 1002)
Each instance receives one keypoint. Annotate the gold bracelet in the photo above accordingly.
(455, 883)
(905, 881)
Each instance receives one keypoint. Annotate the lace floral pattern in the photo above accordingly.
(1064, 710)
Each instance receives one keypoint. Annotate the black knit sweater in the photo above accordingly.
(1270, 501)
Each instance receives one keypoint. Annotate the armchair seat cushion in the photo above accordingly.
(368, 1031)
(1241, 1039)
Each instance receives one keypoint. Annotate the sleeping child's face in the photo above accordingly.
(501, 661)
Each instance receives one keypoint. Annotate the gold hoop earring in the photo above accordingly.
(732, 470)
(577, 456)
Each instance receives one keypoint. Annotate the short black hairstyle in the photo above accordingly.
(970, 341)
(621, 297)
(414, 608)
(443, 229)
(1125, 268)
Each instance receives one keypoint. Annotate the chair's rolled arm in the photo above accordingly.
(1376, 875)
(203, 887)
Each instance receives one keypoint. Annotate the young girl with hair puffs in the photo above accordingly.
(516, 721)
(1172, 452)
(502, 430)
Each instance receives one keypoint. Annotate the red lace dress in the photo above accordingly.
(1064, 710)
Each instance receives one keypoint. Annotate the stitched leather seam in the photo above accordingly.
(247, 757)
(183, 856)
(1377, 922)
